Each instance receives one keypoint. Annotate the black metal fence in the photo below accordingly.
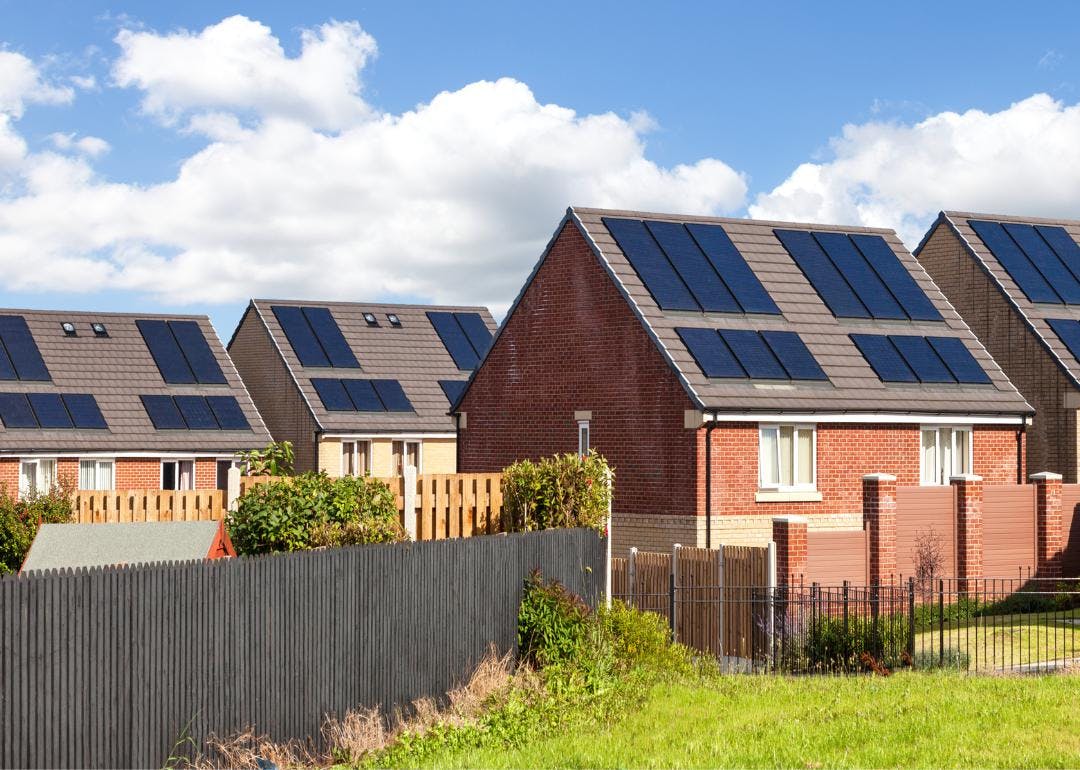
(125, 667)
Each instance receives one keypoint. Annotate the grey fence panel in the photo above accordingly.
(127, 666)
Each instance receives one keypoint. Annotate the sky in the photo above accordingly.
(186, 157)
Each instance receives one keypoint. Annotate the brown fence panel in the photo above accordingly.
(113, 507)
(698, 612)
(746, 571)
(1070, 530)
(1009, 530)
(923, 512)
(833, 557)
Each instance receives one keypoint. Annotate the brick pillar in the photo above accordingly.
(789, 534)
(969, 528)
(1049, 537)
(879, 516)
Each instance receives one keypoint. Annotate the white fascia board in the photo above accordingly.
(121, 455)
(866, 417)
(401, 436)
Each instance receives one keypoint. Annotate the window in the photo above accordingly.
(407, 452)
(583, 437)
(788, 457)
(36, 476)
(945, 452)
(223, 468)
(97, 474)
(355, 458)
(178, 474)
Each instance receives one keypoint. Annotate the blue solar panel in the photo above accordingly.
(197, 351)
(753, 354)
(15, 411)
(651, 265)
(363, 396)
(333, 395)
(1063, 245)
(922, 358)
(1015, 262)
(7, 371)
(392, 395)
(893, 273)
(693, 267)
(866, 284)
(163, 347)
(711, 353)
(793, 355)
(1068, 331)
(228, 412)
(883, 358)
(163, 412)
(476, 331)
(732, 268)
(958, 358)
(22, 350)
(452, 389)
(196, 412)
(302, 339)
(454, 339)
(84, 411)
(822, 274)
(330, 337)
(1046, 260)
(50, 410)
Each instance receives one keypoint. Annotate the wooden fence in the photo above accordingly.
(113, 506)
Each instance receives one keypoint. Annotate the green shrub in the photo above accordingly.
(553, 622)
(275, 459)
(561, 491)
(19, 520)
(642, 640)
(832, 643)
(311, 511)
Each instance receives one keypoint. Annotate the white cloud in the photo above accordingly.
(21, 83)
(1024, 159)
(87, 145)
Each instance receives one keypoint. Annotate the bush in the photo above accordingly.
(831, 643)
(19, 520)
(552, 622)
(312, 511)
(561, 491)
(276, 459)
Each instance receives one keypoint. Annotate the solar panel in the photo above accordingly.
(883, 358)
(163, 412)
(50, 410)
(363, 396)
(196, 412)
(22, 350)
(1068, 331)
(165, 351)
(711, 353)
(1063, 245)
(822, 274)
(732, 268)
(333, 395)
(693, 267)
(651, 265)
(866, 284)
(958, 358)
(228, 412)
(1015, 262)
(392, 395)
(454, 339)
(753, 354)
(793, 355)
(15, 411)
(300, 335)
(1046, 261)
(330, 337)
(7, 371)
(887, 265)
(476, 331)
(452, 389)
(197, 352)
(922, 358)
(84, 411)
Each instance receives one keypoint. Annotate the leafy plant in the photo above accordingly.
(834, 643)
(20, 519)
(552, 622)
(561, 491)
(274, 459)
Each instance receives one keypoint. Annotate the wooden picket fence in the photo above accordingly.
(112, 507)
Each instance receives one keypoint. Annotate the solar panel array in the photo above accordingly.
(746, 354)
(351, 395)
(315, 336)
(181, 352)
(464, 335)
(452, 389)
(51, 410)
(916, 359)
(858, 275)
(195, 412)
(1044, 261)
(1068, 331)
(690, 266)
(20, 358)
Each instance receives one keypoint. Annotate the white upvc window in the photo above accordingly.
(944, 452)
(406, 454)
(97, 475)
(178, 474)
(355, 458)
(788, 457)
(583, 438)
(37, 476)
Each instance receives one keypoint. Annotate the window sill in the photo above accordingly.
(776, 496)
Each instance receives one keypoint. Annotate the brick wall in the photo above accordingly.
(131, 472)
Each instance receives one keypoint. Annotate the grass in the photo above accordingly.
(907, 720)
(1004, 641)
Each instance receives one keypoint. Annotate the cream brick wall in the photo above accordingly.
(330, 457)
(439, 456)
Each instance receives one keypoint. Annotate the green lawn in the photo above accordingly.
(907, 720)
(1005, 641)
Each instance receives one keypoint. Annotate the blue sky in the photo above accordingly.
(761, 88)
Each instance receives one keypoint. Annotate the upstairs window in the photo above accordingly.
(945, 452)
(788, 457)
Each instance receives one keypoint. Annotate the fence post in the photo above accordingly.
(1049, 535)
(631, 575)
(409, 501)
(720, 594)
(879, 513)
(671, 591)
(607, 576)
(770, 609)
(968, 491)
(941, 622)
(911, 620)
(232, 488)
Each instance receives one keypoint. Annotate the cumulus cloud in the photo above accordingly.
(1024, 159)
(87, 145)
(21, 83)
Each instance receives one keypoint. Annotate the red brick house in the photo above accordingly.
(735, 370)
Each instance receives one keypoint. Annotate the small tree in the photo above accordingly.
(275, 459)
(20, 519)
(929, 556)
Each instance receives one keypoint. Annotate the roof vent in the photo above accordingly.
(69, 329)
(393, 319)
(99, 329)
(370, 319)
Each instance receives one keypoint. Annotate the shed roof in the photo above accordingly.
(59, 546)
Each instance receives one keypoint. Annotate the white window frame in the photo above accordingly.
(405, 453)
(355, 446)
(177, 461)
(584, 438)
(24, 491)
(796, 426)
(110, 460)
(954, 429)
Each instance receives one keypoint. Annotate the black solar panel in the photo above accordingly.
(332, 394)
(1068, 331)
(958, 358)
(793, 355)
(7, 371)
(454, 339)
(452, 389)
(652, 266)
(1046, 261)
(330, 337)
(1031, 282)
(922, 358)
(163, 412)
(1063, 245)
(300, 335)
(693, 267)
(84, 411)
(50, 410)
(866, 284)
(893, 273)
(883, 358)
(476, 331)
(15, 411)
(197, 352)
(165, 351)
(196, 412)
(711, 353)
(822, 274)
(753, 354)
(228, 412)
(363, 396)
(392, 395)
(22, 351)
(732, 268)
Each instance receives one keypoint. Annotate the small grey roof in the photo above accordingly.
(413, 354)
(1034, 313)
(116, 370)
(99, 545)
(853, 386)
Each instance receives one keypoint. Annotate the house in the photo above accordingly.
(734, 370)
(360, 388)
(119, 401)
(1016, 282)
(67, 546)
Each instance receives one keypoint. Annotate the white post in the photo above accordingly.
(409, 498)
(607, 576)
(631, 575)
(232, 487)
(720, 596)
(673, 587)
